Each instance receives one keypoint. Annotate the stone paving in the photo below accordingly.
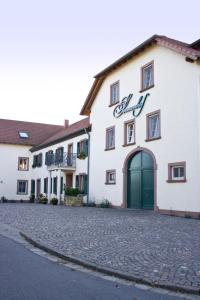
(160, 249)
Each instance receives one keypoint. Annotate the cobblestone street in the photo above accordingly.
(160, 249)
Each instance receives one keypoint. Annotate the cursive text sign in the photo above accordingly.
(123, 108)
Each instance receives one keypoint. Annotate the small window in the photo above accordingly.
(153, 126)
(23, 135)
(23, 164)
(177, 172)
(110, 138)
(114, 93)
(129, 133)
(110, 177)
(22, 187)
(147, 76)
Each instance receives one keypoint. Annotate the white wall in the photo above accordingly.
(176, 95)
(42, 172)
(9, 173)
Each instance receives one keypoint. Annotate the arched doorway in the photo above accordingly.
(140, 180)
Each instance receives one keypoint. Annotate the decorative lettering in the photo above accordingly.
(123, 106)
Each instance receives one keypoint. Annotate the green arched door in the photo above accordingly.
(140, 189)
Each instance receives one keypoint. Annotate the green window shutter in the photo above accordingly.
(55, 185)
(85, 184)
(32, 186)
(61, 185)
(46, 158)
(78, 149)
(51, 185)
(86, 147)
(77, 181)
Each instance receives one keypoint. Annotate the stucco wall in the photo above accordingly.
(9, 174)
(176, 94)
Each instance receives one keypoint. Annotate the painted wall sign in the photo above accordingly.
(123, 108)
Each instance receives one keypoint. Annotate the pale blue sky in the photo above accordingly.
(50, 50)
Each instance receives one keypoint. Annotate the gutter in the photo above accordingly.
(88, 163)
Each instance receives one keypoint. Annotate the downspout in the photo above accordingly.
(88, 164)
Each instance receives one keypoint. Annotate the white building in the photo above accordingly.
(145, 141)
(41, 159)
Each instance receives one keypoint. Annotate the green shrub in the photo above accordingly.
(72, 191)
(105, 204)
(54, 201)
(43, 200)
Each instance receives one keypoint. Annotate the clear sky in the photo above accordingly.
(50, 50)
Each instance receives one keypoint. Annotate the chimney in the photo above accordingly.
(66, 123)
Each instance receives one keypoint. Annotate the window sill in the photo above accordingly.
(126, 145)
(22, 170)
(176, 181)
(112, 104)
(22, 193)
(110, 183)
(147, 88)
(108, 149)
(153, 139)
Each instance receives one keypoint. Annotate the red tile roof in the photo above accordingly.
(37, 132)
(66, 133)
(188, 50)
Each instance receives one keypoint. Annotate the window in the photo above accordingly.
(110, 138)
(177, 172)
(147, 76)
(82, 149)
(23, 163)
(49, 158)
(22, 187)
(81, 183)
(110, 177)
(129, 133)
(37, 160)
(59, 155)
(32, 186)
(153, 126)
(46, 185)
(23, 134)
(114, 93)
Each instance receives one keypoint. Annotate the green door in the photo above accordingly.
(140, 181)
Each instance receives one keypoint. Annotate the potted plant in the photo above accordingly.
(73, 197)
(54, 201)
(43, 199)
(82, 155)
(32, 198)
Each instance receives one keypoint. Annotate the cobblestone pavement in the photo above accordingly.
(160, 249)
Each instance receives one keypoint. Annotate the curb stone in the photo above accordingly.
(109, 271)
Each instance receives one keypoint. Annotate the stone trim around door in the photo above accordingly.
(125, 175)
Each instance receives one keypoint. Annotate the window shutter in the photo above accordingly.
(77, 181)
(55, 185)
(85, 184)
(51, 185)
(86, 147)
(61, 185)
(32, 186)
(56, 156)
(46, 158)
(78, 149)
(61, 154)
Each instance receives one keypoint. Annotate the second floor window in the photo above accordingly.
(129, 131)
(37, 160)
(110, 138)
(82, 149)
(23, 164)
(114, 93)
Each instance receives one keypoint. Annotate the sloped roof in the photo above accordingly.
(37, 132)
(72, 130)
(187, 50)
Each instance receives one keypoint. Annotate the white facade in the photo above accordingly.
(176, 93)
(10, 174)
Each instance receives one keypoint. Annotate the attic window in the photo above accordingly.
(23, 135)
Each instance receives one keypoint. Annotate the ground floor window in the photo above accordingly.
(46, 185)
(33, 187)
(81, 183)
(110, 177)
(55, 185)
(22, 187)
(177, 172)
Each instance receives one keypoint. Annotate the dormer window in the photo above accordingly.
(23, 134)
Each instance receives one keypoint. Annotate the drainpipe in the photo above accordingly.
(88, 164)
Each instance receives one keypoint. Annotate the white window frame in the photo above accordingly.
(114, 93)
(110, 176)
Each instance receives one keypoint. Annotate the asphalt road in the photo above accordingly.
(25, 275)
